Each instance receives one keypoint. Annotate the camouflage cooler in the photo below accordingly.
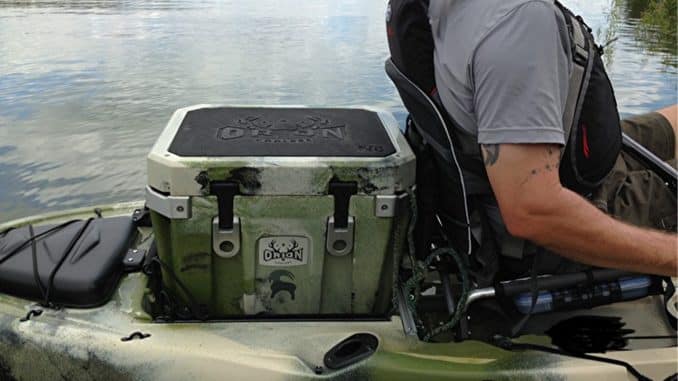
(280, 210)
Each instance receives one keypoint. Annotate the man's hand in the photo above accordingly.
(535, 206)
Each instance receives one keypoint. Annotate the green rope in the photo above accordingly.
(410, 243)
(460, 310)
(412, 285)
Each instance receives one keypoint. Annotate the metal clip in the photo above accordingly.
(340, 240)
(386, 206)
(173, 207)
(226, 242)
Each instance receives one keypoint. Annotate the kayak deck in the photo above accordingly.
(88, 343)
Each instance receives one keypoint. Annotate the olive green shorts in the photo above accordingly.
(633, 193)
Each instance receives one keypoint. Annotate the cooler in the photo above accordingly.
(280, 210)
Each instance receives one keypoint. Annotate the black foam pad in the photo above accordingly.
(252, 131)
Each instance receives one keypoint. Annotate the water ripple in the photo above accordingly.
(87, 86)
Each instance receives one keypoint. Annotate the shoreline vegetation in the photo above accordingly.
(656, 23)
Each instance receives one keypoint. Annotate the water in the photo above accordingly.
(86, 86)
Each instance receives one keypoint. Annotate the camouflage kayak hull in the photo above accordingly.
(89, 344)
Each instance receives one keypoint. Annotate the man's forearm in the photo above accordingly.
(576, 229)
(535, 206)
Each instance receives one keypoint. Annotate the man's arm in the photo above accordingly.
(536, 207)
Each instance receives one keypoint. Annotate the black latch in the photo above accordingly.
(225, 192)
(342, 192)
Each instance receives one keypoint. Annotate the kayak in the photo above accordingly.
(109, 328)
(86, 344)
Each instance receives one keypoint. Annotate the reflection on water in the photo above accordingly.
(657, 27)
(653, 23)
(86, 86)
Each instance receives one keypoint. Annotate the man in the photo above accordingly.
(502, 70)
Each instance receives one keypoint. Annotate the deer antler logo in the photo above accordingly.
(285, 130)
(287, 252)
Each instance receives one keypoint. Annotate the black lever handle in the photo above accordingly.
(342, 192)
(225, 192)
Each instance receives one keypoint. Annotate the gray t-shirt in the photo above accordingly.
(502, 68)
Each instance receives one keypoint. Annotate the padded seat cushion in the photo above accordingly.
(88, 274)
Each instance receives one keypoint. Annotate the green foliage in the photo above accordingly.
(654, 22)
(663, 14)
(657, 28)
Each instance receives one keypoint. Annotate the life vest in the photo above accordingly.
(591, 124)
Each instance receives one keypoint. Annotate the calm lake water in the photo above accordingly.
(86, 86)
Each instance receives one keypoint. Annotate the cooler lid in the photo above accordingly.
(273, 150)
(265, 131)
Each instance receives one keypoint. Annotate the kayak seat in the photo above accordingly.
(75, 264)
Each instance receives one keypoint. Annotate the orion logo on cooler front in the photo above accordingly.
(283, 251)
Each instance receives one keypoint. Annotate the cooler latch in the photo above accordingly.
(341, 226)
(226, 226)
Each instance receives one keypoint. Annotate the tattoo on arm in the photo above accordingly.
(490, 154)
(552, 164)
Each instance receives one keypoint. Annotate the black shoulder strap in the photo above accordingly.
(582, 65)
